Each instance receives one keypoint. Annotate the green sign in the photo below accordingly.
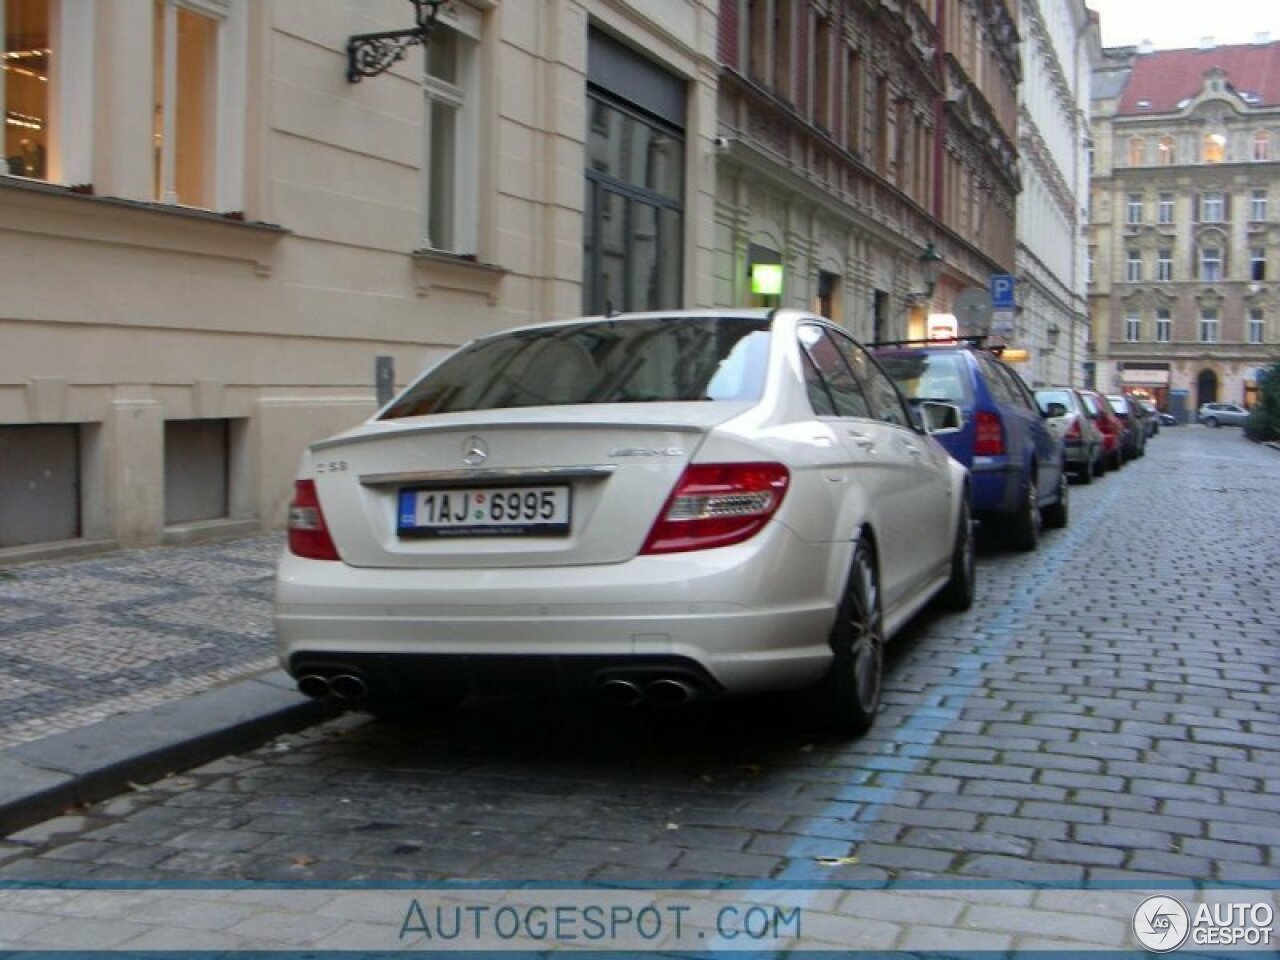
(766, 278)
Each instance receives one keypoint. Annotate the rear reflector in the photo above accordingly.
(718, 504)
(989, 434)
(308, 533)
(1073, 431)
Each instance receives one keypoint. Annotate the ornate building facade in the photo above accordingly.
(1184, 237)
(1059, 43)
(854, 136)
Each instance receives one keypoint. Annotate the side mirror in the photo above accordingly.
(941, 418)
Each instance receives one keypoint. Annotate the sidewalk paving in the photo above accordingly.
(120, 668)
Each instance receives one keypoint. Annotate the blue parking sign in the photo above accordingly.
(1002, 291)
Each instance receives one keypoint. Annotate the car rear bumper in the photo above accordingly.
(997, 485)
(735, 614)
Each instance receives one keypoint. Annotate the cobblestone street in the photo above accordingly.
(1106, 711)
(85, 640)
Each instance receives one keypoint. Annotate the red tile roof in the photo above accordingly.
(1167, 77)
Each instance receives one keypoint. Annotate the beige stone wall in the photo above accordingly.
(120, 314)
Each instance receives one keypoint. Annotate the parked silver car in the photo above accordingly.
(1067, 417)
(1220, 414)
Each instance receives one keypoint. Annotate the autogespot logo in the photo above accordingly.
(1161, 924)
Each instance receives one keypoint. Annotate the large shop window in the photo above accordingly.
(449, 128)
(634, 231)
(198, 102)
(24, 87)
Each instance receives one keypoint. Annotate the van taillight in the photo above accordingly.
(988, 435)
(308, 533)
(718, 504)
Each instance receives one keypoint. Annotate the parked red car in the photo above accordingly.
(1100, 411)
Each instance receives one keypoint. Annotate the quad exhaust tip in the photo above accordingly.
(665, 691)
(342, 686)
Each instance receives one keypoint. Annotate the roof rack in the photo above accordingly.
(977, 341)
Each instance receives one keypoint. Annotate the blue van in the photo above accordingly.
(1018, 466)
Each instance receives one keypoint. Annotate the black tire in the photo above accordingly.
(1089, 471)
(958, 592)
(1211, 422)
(1100, 465)
(844, 702)
(1024, 532)
(1058, 513)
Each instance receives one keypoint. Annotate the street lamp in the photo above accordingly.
(369, 54)
(1054, 333)
(930, 268)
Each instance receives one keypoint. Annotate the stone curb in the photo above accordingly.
(42, 778)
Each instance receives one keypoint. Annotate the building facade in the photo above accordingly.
(1184, 240)
(854, 136)
(212, 243)
(1059, 43)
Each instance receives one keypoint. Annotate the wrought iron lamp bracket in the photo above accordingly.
(371, 54)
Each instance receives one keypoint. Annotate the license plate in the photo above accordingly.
(484, 512)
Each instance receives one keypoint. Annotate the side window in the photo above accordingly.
(845, 392)
(1020, 388)
(819, 397)
(886, 402)
(998, 383)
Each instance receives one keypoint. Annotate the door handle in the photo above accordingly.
(862, 440)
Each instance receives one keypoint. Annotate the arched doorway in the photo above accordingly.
(1206, 387)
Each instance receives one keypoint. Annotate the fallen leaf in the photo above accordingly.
(836, 861)
(140, 788)
(673, 826)
(302, 860)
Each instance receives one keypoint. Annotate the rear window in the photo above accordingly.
(930, 376)
(1046, 397)
(600, 361)
(1119, 404)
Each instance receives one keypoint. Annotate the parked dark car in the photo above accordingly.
(1135, 425)
(1017, 464)
(1112, 429)
(1067, 417)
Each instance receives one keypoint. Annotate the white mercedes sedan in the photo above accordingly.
(645, 507)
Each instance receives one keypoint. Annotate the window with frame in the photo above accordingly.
(1137, 151)
(1133, 208)
(450, 138)
(1210, 264)
(1164, 266)
(1166, 151)
(1208, 325)
(198, 103)
(1213, 148)
(633, 238)
(822, 72)
(784, 49)
(1164, 208)
(1089, 265)
(1258, 205)
(1133, 328)
(29, 56)
(1257, 325)
(847, 398)
(881, 394)
(1133, 266)
(853, 104)
(1262, 145)
(1164, 325)
(1213, 207)
(1257, 263)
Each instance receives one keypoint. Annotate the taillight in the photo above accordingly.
(1073, 431)
(988, 434)
(718, 504)
(308, 534)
